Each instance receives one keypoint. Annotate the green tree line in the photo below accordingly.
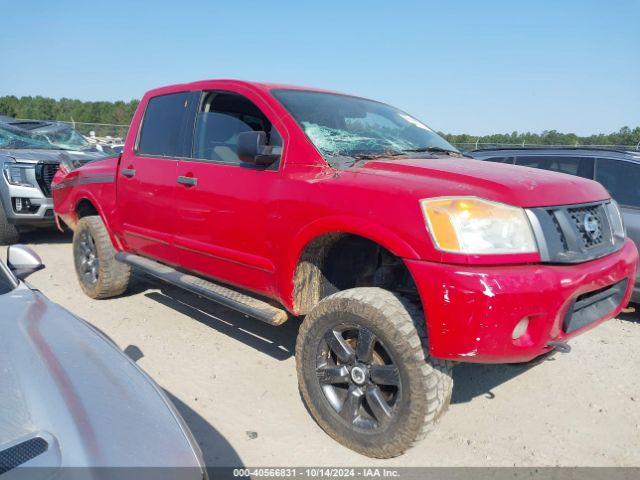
(120, 113)
(623, 137)
(70, 110)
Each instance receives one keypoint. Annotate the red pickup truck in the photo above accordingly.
(401, 255)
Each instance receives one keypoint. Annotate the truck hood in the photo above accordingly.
(63, 381)
(511, 184)
(42, 155)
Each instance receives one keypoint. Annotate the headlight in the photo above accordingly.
(617, 224)
(475, 226)
(16, 173)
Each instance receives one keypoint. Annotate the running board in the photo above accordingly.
(241, 302)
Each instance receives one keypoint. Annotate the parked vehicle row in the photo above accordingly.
(400, 256)
(30, 153)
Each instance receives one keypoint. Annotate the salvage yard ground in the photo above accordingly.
(233, 380)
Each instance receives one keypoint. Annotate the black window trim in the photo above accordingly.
(191, 158)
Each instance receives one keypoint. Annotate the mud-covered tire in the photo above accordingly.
(110, 277)
(8, 232)
(425, 383)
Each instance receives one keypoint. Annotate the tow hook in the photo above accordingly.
(561, 347)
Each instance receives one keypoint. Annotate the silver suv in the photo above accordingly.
(30, 153)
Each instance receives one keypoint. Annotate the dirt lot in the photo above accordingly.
(233, 380)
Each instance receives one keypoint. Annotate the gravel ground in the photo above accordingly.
(233, 379)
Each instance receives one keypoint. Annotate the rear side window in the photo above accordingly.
(167, 126)
(579, 166)
(622, 179)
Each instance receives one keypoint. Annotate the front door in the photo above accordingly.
(147, 176)
(224, 206)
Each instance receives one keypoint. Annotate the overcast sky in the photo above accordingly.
(461, 66)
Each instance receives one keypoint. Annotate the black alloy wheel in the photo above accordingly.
(365, 373)
(358, 376)
(87, 258)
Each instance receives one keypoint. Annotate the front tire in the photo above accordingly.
(365, 373)
(100, 275)
(8, 232)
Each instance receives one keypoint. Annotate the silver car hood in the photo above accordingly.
(62, 380)
(35, 155)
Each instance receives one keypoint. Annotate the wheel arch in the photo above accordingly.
(305, 278)
(86, 204)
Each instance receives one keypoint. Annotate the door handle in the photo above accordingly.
(128, 172)
(188, 181)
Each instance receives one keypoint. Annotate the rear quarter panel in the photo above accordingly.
(93, 182)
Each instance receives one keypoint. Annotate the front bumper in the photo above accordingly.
(42, 206)
(471, 312)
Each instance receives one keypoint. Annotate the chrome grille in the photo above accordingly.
(578, 216)
(574, 233)
(44, 175)
(558, 229)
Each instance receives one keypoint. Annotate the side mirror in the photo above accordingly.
(23, 261)
(252, 148)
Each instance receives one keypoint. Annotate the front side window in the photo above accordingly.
(579, 166)
(621, 179)
(165, 128)
(344, 126)
(221, 118)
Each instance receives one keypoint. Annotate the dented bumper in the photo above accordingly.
(472, 311)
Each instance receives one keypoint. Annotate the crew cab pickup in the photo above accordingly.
(401, 255)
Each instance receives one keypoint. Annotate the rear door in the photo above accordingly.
(147, 175)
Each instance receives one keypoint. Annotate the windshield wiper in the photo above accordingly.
(431, 149)
(373, 156)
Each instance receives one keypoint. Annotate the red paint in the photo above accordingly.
(248, 227)
(471, 311)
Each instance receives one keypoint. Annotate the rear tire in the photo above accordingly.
(100, 275)
(396, 389)
(8, 232)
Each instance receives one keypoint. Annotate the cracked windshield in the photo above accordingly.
(346, 129)
(49, 137)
